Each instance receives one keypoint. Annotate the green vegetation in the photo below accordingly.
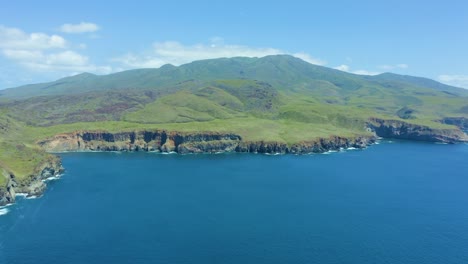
(20, 159)
(183, 107)
(18, 155)
(275, 98)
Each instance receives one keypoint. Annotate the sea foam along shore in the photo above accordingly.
(4, 209)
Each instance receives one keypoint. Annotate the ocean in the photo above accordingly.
(395, 202)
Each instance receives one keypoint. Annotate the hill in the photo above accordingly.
(278, 99)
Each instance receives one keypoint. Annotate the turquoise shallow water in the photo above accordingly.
(392, 203)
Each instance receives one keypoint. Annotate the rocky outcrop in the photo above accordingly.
(7, 192)
(461, 122)
(332, 143)
(161, 141)
(314, 146)
(402, 130)
(183, 143)
(213, 142)
(32, 185)
(262, 147)
(158, 140)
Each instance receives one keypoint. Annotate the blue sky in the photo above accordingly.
(45, 40)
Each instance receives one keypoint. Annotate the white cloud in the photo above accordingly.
(67, 61)
(387, 67)
(23, 55)
(60, 58)
(343, 67)
(384, 67)
(67, 58)
(60, 61)
(308, 58)
(365, 72)
(40, 52)
(13, 38)
(176, 53)
(83, 27)
(455, 80)
(347, 68)
(134, 61)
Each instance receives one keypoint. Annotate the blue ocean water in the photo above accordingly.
(392, 203)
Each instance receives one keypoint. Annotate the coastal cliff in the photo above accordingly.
(210, 142)
(402, 130)
(460, 122)
(31, 185)
(7, 192)
(158, 141)
(183, 143)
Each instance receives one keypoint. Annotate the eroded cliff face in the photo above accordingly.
(32, 185)
(210, 142)
(461, 122)
(7, 192)
(402, 130)
(181, 142)
(159, 141)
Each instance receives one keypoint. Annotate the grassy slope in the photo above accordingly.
(281, 71)
(250, 128)
(276, 98)
(17, 157)
(20, 159)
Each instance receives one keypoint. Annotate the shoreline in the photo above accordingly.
(198, 142)
(33, 184)
(174, 142)
(57, 177)
(376, 141)
(161, 143)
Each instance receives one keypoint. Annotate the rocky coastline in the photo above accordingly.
(212, 142)
(159, 141)
(460, 122)
(398, 129)
(31, 185)
(184, 143)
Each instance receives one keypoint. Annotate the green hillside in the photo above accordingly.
(274, 98)
(284, 72)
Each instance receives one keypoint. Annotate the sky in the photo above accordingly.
(42, 41)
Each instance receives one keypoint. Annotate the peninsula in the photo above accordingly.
(274, 104)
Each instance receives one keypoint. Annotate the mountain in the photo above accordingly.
(389, 79)
(282, 71)
(229, 88)
(271, 104)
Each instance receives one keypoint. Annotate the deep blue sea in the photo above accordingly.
(397, 202)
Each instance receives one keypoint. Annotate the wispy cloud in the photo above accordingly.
(384, 67)
(343, 67)
(14, 38)
(347, 68)
(58, 61)
(306, 57)
(365, 72)
(41, 52)
(455, 80)
(175, 53)
(387, 67)
(83, 27)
